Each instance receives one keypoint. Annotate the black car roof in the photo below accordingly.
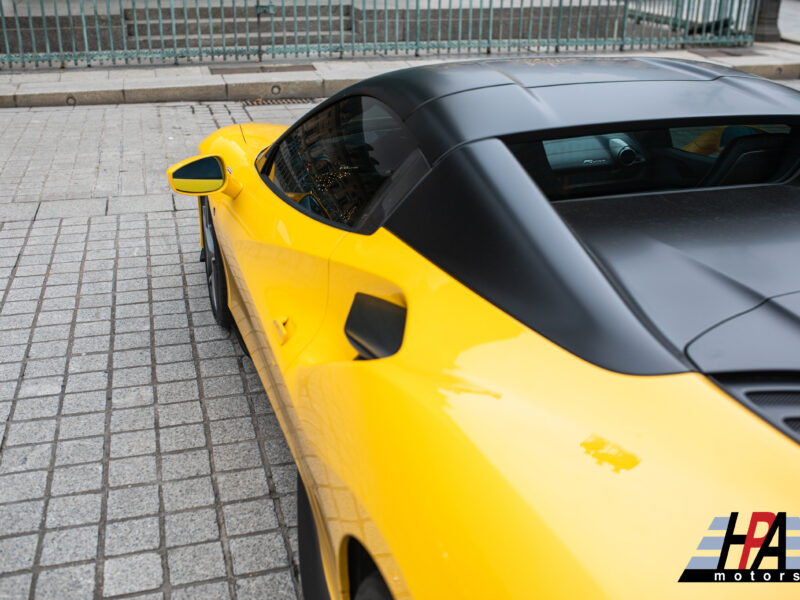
(448, 104)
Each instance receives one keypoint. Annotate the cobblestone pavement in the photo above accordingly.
(140, 456)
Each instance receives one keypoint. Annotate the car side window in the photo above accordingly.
(337, 162)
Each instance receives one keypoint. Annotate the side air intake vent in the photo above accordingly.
(793, 424)
(782, 398)
(775, 397)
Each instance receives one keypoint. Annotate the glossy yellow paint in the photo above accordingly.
(481, 460)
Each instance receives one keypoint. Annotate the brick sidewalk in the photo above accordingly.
(140, 456)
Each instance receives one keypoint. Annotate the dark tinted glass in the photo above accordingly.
(339, 160)
(622, 162)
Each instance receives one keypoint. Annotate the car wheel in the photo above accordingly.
(312, 574)
(373, 588)
(215, 270)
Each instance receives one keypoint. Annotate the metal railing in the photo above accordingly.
(56, 32)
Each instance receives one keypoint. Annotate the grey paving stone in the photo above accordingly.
(275, 586)
(12, 371)
(73, 510)
(129, 419)
(258, 552)
(182, 437)
(55, 317)
(69, 582)
(241, 485)
(127, 471)
(16, 553)
(285, 478)
(78, 478)
(222, 386)
(133, 535)
(82, 426)
(5, 410)
(132, 358)
(219, 366)
(226, 408)
(169, 354)
(181, 413)
(127, 341)
(133, 376)
(180, 391)
(47, 349)
(25, 458)
(84, 402)
(79, 451)
(188, 493)
(84, 382)
(277, 452)
(231, 430)
(135, 573)
(43, 386)
(196, 563)
(21, 517)
(289, 509)
(133, 502)
(16, 587)
(169, 337)
(131, 396)
(69, 545)
(191, 527)
(88, 362)
(31, 432)
(184, 465)
(85, 345)
(36, 408)
(250, 516)
(207, 591)
(175, 372)
(237, 456)
(22, 486)
(133, 443)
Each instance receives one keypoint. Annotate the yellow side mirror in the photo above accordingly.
(197, 175)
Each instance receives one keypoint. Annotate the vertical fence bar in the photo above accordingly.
(438, 28)
(294, 15)
(111, 32)
(72, 34)
(97, 31)
(162, 43)
(374, 26)
(385, 47)
(308, 32)
(235, 32)
(416, 38)
(624, 25)
(123, 32)
(19, 34)
(559, 16)
(500, 29)
(341, 28)
(135, 31)
(491, 26)
(396, 27)
(58, 32)
(174, 30)
(224, 29)
(5, 35)
(46, 34)
(33, 35)
(211, 32)
(85, 31)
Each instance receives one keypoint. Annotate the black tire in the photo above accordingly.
(373, 588)
(215, 270)
(312, 574)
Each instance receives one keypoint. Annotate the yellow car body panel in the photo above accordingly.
(481, 460)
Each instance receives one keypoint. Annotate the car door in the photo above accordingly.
(319, 182)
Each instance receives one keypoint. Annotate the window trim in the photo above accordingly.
(268, 154)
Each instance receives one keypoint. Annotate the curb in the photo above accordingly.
(233, 88)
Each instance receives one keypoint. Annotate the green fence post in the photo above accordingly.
(5, 34)
(624, 25)
(416, 40)
(558, 25)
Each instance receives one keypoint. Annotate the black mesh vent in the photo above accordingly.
(778, 398)
(793, 424)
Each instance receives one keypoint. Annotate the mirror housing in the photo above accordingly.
(199, 175)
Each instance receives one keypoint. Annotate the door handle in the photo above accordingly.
(281, 329)
(375, 327)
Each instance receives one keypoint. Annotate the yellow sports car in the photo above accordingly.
(531, 328)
